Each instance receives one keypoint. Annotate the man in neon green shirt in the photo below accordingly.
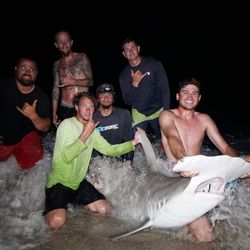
(75, 139)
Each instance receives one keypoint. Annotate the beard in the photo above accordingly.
(26, 81)
(106, 106)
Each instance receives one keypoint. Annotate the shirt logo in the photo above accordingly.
(105, 128)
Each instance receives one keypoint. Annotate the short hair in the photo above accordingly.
(26, 58)
(129, 40)
(188, 81)
(81, 95)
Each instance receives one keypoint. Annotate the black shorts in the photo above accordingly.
(58, 196)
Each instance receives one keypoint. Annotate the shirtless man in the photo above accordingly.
(72, 74)
(183, 130)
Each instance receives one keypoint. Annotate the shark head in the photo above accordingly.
(204, 191)
(222, 167)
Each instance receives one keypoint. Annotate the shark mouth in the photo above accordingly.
(214, 186)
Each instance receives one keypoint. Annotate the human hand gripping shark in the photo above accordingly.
(190, 198)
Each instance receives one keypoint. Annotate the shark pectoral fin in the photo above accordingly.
(145, 225)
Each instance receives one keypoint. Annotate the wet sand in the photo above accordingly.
(87, 231)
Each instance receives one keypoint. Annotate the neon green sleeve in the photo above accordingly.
(106, 148)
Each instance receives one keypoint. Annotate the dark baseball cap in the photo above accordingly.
(188, 81)
(105, 88)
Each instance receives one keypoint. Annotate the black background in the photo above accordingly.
(208, 42)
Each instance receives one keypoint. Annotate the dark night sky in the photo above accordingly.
(208, 42)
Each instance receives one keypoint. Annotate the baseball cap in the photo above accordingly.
(105, 88)
(188, 81)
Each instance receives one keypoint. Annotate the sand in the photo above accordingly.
(87, 231)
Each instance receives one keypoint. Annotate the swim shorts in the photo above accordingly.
(59, 196)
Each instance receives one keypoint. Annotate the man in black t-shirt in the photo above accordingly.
(115, 124)
(24, 111)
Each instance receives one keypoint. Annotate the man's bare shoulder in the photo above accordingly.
(80, 55)
(166, 115)
(205, 119)
(168, 112)
(202, 116)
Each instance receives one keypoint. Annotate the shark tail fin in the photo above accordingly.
(145, 225)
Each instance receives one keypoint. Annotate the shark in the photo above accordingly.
(183, 199)
(190, 198)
